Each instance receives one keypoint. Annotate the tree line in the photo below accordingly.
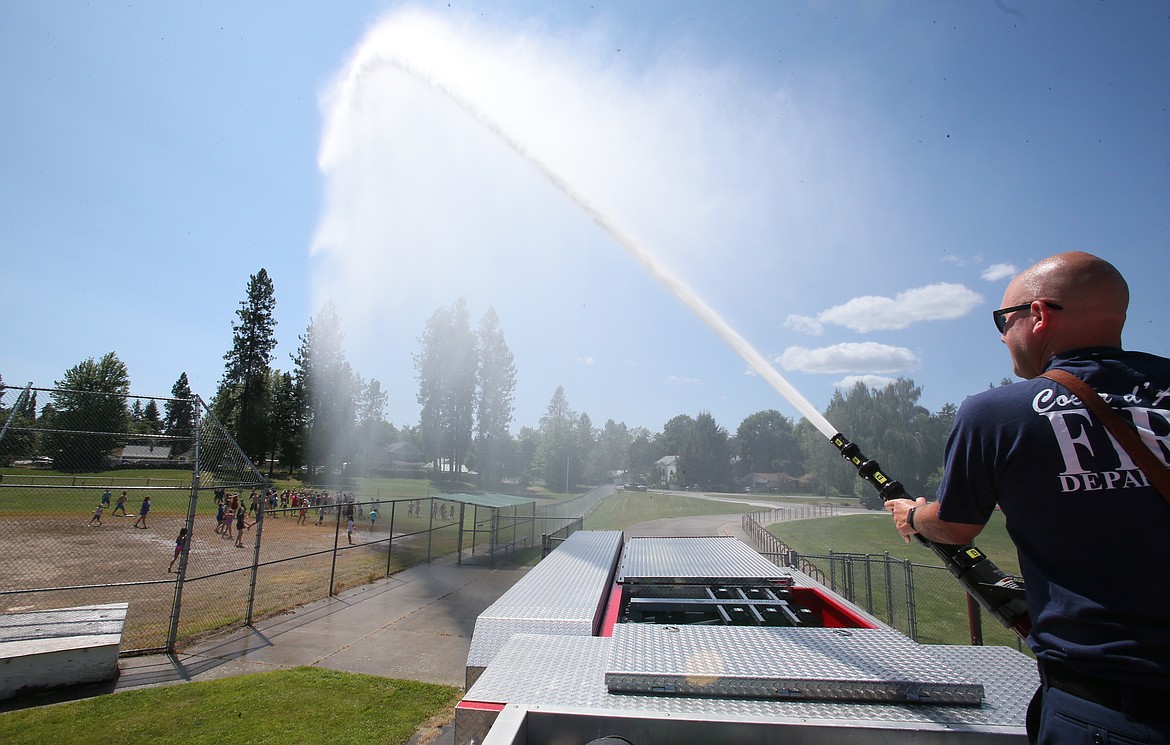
(322, 420)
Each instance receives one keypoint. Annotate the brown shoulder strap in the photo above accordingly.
(1125, 435)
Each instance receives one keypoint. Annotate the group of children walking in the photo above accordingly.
(227, 512)
(104, 505)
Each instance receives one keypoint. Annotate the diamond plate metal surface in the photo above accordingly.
(472, 725)
(564, 594)
(782, 662)
(564, 672)
(710, 559)
(571, 583)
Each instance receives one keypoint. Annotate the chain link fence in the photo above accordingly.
(92, 501)
(91, 513)
(924, 602)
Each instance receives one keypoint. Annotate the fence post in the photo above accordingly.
(493, 535)
(430, 529)
(911, 612)
(390, 544)
(261, 506)
(177, 603)
(890, 615)
(459, 542)
(336, 535)
(868, 584)
(974, 621)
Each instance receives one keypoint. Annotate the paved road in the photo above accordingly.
(690, 526)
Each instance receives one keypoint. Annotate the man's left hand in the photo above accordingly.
(900, 509)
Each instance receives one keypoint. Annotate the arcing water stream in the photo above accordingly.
(996, 591)
(651, 263)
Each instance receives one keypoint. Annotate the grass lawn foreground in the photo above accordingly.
(305, 704)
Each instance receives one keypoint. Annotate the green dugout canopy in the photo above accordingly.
(494, 501)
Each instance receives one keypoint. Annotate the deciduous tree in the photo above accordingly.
(766, 443)
(19, 412)
(89, 412)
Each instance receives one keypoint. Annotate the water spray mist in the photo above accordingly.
(996, 591)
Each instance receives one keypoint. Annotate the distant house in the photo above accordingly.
(144, 455)
(444, 466)
(669, 466)
(399, 459)
(404, 455)
(761, 482)
(186, 458)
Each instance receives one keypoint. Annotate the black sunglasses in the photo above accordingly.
(1000, 316)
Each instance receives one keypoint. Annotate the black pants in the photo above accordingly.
(1071, 708)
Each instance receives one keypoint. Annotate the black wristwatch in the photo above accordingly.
(910, 518)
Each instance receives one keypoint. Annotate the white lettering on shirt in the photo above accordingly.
(1072, 428)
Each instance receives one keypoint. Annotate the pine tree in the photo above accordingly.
(496, 383)
(326, 388)
(446, 368)
(374, 433)
(151, 420)
(243, 399)
(288, 422)
(557, 442)
(179, 416)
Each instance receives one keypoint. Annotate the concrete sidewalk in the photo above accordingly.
(416, 625)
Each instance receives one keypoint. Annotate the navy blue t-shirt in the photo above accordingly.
(1093, 536)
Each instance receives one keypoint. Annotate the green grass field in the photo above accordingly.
(628, 508)
(306, 704)
(940, 602)
(875, 534)
(43, 492)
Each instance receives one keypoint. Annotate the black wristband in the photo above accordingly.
(910, 518)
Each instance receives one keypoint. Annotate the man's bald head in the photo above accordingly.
(1092, 297)
(1079, 281)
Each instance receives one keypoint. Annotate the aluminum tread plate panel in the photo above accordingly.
(709, 559)
(780, 662)
(491, 634)
(564, 594)
(571, 583)
(565, 672)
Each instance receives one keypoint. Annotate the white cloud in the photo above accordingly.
(850, 357)
(587, 360)
(963, 260)
(805, 325)
(870, 381)
(679, 380)
(938, 302)
(996, 272)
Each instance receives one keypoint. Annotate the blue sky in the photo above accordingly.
(848, 184)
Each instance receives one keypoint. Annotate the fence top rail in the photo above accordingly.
(5, 484)
(108, 394)
(101, 433)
